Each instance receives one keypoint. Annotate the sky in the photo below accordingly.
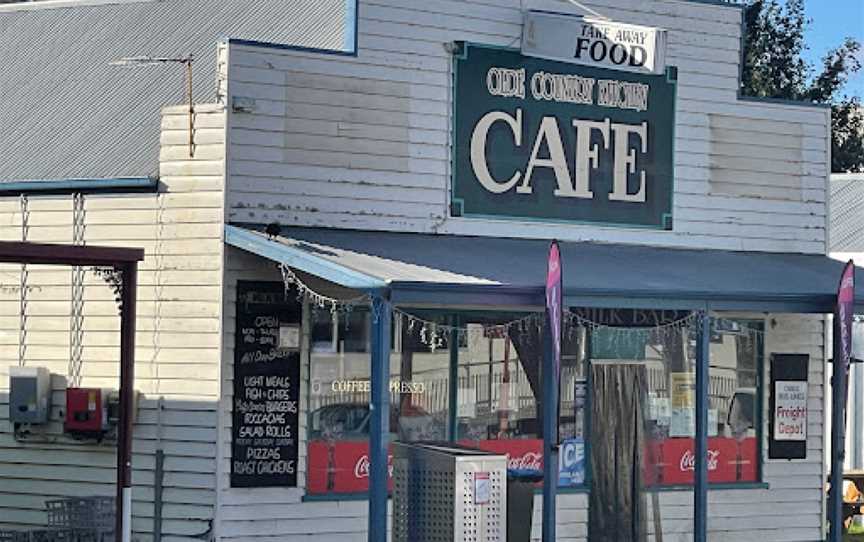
(831, 22)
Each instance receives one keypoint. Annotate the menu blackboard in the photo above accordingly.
(266, 386)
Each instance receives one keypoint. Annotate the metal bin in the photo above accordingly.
(448, 493)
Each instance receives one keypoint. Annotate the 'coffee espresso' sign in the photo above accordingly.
(545, 140)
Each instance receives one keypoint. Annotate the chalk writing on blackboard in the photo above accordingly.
(266, 388)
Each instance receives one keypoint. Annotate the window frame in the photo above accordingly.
(754, 325)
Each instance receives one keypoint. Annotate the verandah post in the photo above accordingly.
(700, 490)
(380, 420)
(550, 447)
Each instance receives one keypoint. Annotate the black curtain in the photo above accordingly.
(528, 341)
(617, 503)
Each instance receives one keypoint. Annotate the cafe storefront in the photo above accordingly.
(375, 226)
(418, 316)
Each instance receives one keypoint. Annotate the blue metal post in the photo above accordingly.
(550, 447)
(380, 420)
(838, 445)
(700, 490)
(453, 401)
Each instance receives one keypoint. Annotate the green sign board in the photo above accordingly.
(543, 140)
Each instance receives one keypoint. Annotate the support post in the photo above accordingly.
(453, 417)
(380, 420)
(550, 446)
(838, 431)
(123, 521)
(700, 490)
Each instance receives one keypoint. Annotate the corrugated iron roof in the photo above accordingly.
(846, 209)
(65, 111)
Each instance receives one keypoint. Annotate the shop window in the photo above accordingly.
(500, 394)
(496, 387)
(340, 393)
(668, 356)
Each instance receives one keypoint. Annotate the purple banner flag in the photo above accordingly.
(554, 311)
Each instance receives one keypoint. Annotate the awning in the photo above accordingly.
(449, 270)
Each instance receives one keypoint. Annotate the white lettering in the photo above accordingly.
(622, 94)
(504, 82)
(586, 155)
(625, 162)
(550, 133)
(478, 149)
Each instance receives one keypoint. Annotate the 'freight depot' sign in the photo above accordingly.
(790, 410)
(547, 140)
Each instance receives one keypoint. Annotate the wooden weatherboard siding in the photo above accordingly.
(177, 340)
(364, 142)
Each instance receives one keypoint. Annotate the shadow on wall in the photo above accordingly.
(174, 467)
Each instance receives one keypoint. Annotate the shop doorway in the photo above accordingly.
(617, 502)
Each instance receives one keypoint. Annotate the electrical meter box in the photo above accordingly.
(86, 410)
(29, 394)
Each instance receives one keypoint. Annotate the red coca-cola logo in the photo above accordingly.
(688, 460)
(527, 461)
(361, 468)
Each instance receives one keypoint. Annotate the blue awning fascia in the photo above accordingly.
(68, 186)
(258, 244)
(729, 301)
(454, 295)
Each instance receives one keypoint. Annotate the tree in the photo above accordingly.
(773, 68)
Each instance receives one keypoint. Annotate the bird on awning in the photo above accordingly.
(273, 230)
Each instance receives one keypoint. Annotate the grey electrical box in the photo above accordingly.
(448, 493)
(29, 394)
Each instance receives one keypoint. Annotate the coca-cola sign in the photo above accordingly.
(688, 460)
(361, 468)
(527, 461)
(672, 461)
(343, 467)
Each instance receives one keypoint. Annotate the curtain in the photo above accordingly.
(617, 506)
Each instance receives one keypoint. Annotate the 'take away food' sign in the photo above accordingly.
(545, 140)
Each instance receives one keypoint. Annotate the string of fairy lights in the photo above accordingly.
(433, 333)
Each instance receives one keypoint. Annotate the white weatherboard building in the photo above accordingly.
(421, 155)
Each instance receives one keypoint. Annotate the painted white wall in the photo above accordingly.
(364, 142)
(177, 341)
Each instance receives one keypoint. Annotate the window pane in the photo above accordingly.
(340, 391)
(499, 388)
(500, 393)
(735, 354)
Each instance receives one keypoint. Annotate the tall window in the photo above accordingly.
(340, 393)
(500, 393)
(668, 355)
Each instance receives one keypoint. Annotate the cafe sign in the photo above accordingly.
(545, 140)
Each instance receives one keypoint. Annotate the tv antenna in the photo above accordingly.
(152, 60)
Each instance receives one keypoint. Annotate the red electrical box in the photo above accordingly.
(86, 411)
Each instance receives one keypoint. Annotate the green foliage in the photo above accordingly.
(847, 134)
(773, 68)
